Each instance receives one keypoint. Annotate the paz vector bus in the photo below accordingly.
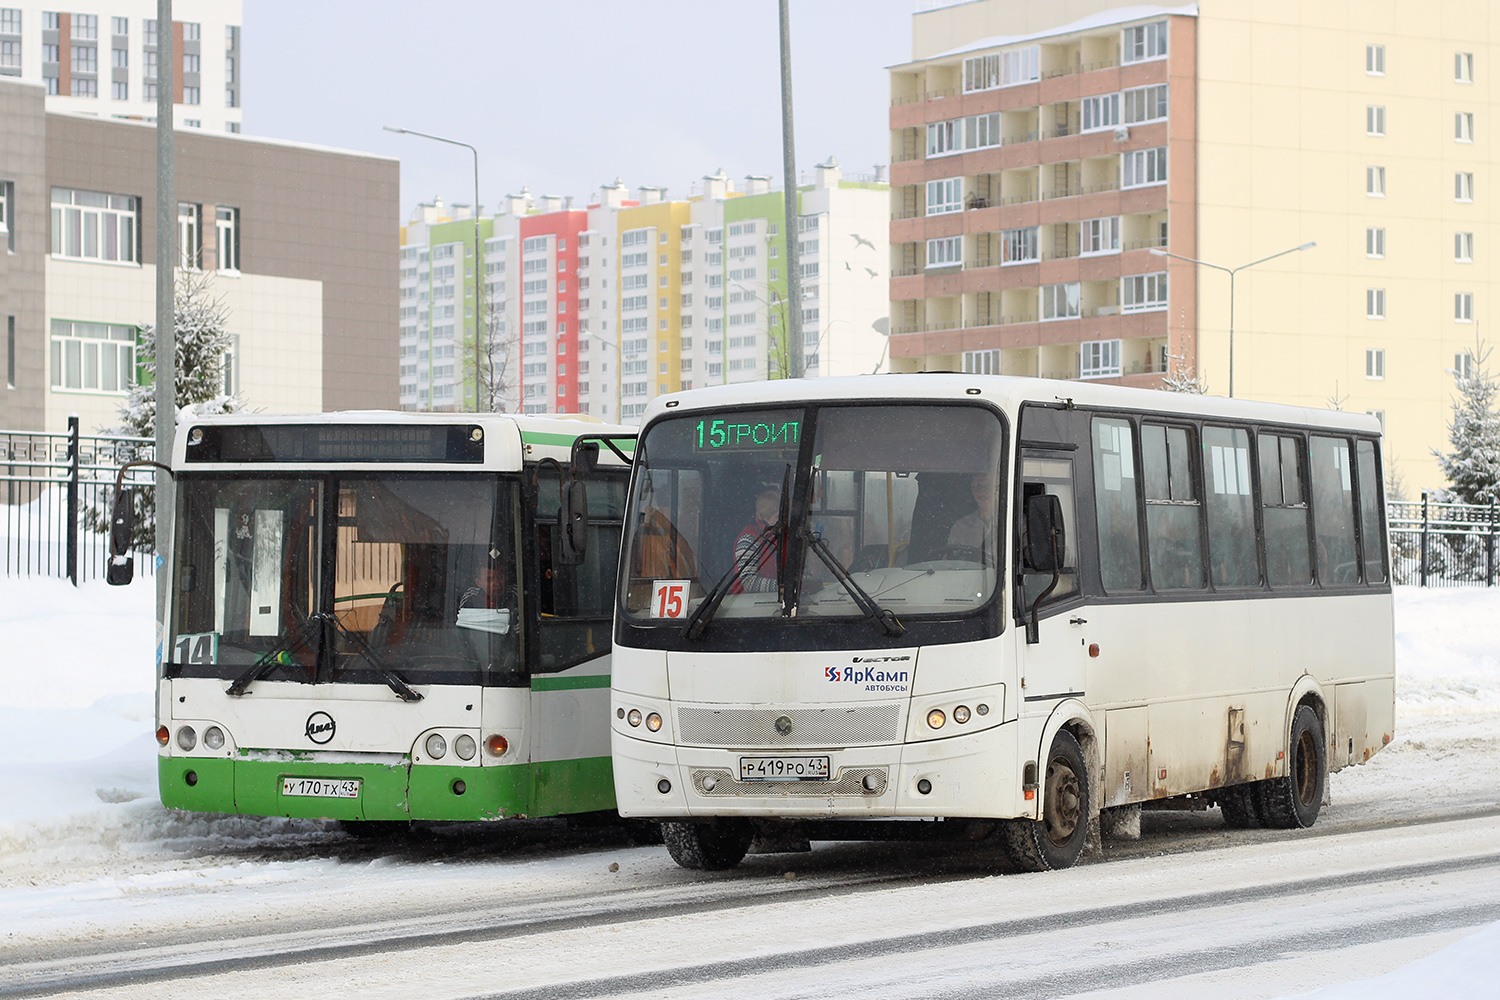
(379, 617)
(994, 604)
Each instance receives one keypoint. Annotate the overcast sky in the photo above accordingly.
(564, 96)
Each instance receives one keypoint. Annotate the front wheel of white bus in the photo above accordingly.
(1293, 802)
(1057, 839)
(716, 845)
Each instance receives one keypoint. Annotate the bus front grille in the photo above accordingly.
(747, 728)
(717, 782)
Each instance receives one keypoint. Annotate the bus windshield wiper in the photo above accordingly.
(883, 618)
(312, 634)
(769, 535)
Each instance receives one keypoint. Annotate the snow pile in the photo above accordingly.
(1464, 969)
(1447, 660)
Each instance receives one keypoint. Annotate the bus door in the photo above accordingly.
(1054, 667)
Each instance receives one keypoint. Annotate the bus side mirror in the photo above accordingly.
(121, 568)
(585, 458)
(1046, 542)
(573, 523)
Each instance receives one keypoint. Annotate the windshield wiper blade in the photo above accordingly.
(317, 626)
(699, 619)
(884, 619)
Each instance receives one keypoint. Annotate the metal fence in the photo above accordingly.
(1437, 544)
(55, 496)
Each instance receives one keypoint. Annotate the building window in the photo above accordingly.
(1143, 292)
(189, 236)
(945, 252)
(1463, 248)
(945, 196)
(1099, 359)
(1145, 104)
(90, 225)
(1099, 235)
(1463, 186)
(1375, 182)
(85, 58)
(1101, 111)
(10, 57)
(227, 231)
(1140, 167)
(1463, 365)
(192, 123)
(982, 362)
(1375, 60)
(1374, 303)
(1463, 307)
(192, 31)
(10, 21)
(84, 86)
(1463, 67)
(1061, 301)
(190, 95)
(1375, 364)
(6, 198)
(1463, 126)
(95, 357)
(148, 31)
(191, 63)
(1375, 119)
(85, 26)
(1005, 69)
(1144, 41)
(1019, 246)
(10, 352)
(119, 90)
(119, 26)
(1375, 241)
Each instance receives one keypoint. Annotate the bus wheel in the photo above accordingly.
(714, 846)
(1292, 802)
(1056, 840)
(1239, 806)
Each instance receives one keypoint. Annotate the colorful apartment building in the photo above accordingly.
(1053, 165)
(599, 310)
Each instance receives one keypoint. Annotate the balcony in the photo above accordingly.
(1051, 74)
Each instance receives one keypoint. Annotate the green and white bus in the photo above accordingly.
(385, 616)
(992, 604)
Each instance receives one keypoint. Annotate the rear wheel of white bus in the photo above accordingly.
(1057, 839)
(1293, 802)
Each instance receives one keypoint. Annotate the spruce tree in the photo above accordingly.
(1473, 466)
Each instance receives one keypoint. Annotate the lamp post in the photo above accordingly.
(479, 315)
(1231, 271)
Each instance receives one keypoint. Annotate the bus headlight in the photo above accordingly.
(961, 714)
(936, 718)
(634, 718)
(186, 738)
(436, 746)
(464, 747)
(653, 722)
(213, 738)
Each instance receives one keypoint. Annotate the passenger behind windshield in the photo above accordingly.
(760, 576)
(975, 532)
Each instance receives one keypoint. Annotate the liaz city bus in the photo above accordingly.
(390, 616)
(993, 603)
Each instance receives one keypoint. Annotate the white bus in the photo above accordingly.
(968, 598)
(381, 617)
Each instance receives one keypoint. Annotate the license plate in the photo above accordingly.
(784, 768)
(321, 788)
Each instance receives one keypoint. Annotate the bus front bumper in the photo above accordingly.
(973, 775)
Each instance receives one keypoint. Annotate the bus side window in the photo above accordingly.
(1232, 551)
(1283, 503)
(1369, 513)
(1174, 513)
(1333, 511)
(576, 602)
(1041, 476)
(1116, 506)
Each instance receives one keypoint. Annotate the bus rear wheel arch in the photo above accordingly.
(1057, 839)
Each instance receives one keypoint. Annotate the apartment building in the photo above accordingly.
(101, 59)
(599, 309)
(299, 241)
(1048, 157)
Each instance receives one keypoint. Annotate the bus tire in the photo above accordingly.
(714, 846)
(1239, 806)
(1292, 802)
(1057, 839)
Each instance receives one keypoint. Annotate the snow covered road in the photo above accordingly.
(103, 892)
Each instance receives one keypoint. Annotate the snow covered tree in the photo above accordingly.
(1473, 466)
(202, 344)
(1183, 378)
(496, 378)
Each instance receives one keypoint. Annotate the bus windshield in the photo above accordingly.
(817, 512)
(347, 578)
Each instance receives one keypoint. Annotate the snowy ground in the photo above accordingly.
(90, 863)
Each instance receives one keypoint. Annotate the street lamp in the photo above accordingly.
(1231, 271)
(479, 316)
